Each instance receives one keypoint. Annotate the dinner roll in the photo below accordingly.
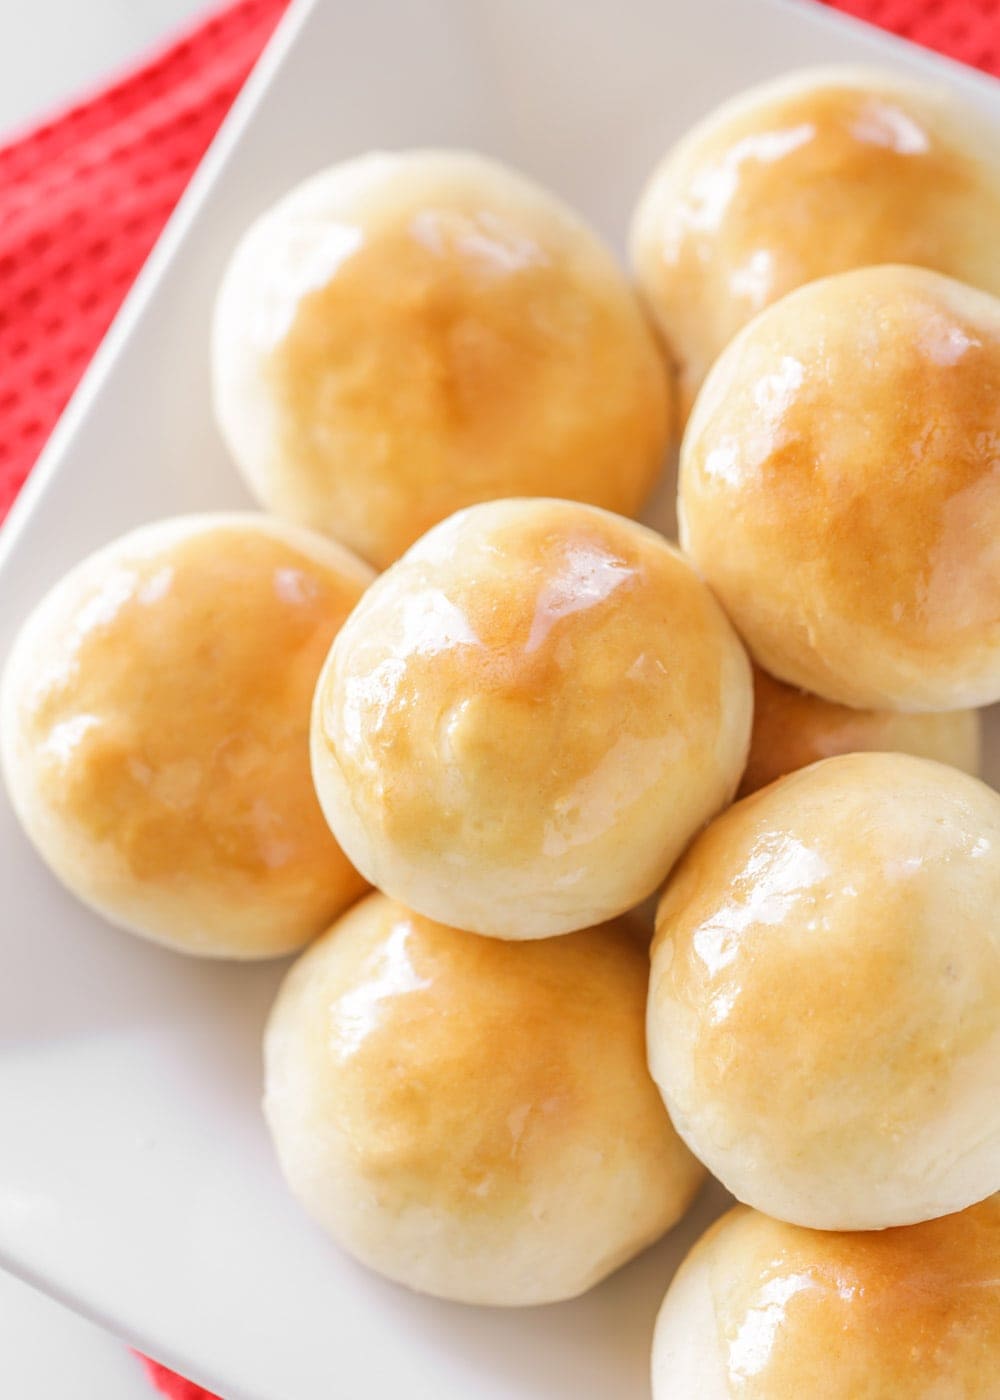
(406, 334)
(154, 725)
(767, 1311)
(792, 729)
(817, 172)
(824, 1007)
(840, 489)
(472, 1117)
(528, 717)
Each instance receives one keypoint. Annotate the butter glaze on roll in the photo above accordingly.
(840, 490)
(472, 1117)
(154, 724)
(824, 1008)
(528, 717)
(792, 729)
(819, 172)
(406, 334)
(767, 1311)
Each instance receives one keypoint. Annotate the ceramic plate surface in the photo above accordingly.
(136, 1179)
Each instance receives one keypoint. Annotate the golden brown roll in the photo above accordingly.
(818, 172)
(154, 724)
(528, 717)
(471, 1117)
(792, 729)
(406, 334)
(767, 1311)
(840, 489)
(824, 1006)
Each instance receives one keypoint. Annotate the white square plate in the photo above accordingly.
(136, 1180)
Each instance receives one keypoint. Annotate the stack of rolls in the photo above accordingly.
(450, 785)
(516, 733)
(824, 1000)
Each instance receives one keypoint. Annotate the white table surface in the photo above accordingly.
(51, 51)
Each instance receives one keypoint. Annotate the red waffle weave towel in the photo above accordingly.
(84, 195)
(82, 200)
(173, 1386)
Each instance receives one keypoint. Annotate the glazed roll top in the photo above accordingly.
(155, 732)
(817, 172)
(839, 492)
(773, 1312)
(824, 1006)
(473, 1116)
(528, 717)
(406, 334)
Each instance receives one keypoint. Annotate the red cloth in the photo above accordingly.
(84, 195)
(172, 1386)
(968, 30)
